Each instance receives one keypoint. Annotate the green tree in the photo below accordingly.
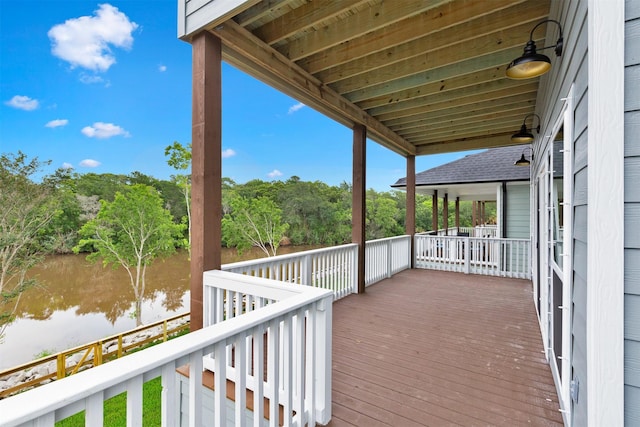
(26, 209)
(179, 158)
(254, 222)
(132, 231)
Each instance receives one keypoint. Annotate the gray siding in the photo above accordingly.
(632, 215)
(518, 211)
(570, 69)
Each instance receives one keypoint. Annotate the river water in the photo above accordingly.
(77, 302)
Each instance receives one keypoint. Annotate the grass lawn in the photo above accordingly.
(115, 409)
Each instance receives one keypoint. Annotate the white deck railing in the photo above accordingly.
(386, 257)
(475, 255)
(296, 321)
(331, 268)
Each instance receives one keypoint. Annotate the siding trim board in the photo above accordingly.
(605, 293)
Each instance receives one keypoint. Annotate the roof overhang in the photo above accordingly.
(424, 77)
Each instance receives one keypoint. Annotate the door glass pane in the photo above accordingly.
(557, 196)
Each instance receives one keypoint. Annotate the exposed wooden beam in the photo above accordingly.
(453, 134)
(444, 146)
(388, 37)
(269, 63)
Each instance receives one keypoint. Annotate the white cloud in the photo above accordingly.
(85, 41)
(57, 123)
(162, 68)
(90, 79)
(23, 103)
(89, 163)
(228, 153)
(102, 130)
(66, 165)
(296, 107)
(274, 173)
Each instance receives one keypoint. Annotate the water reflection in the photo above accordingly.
(78, 302)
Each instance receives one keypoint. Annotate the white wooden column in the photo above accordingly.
(605, 214)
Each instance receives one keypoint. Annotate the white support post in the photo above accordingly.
(389, 247)
(322, 384)
(134, 401)
(195, 389)
(306, 271)
(605, 214)
(170, 409)
(467, 255)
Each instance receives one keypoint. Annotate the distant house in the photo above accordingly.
(489, 176)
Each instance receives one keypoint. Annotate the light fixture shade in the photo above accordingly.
(522, 161)
(528, 66)
(523, 136)
(531, 63)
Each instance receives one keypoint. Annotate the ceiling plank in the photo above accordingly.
(466, 144)
(530, 88)
(497, 59)
(509, 117)
(262, 10)
(453, 134)
(370, 19)
(495, 125)
(302, 18)
(441, 86)
(499, 41)
(390, 36)
(322, 97)
(509, 26)
(492, 105)
(478, 90)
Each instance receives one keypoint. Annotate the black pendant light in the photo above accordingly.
(523, 136)
(523, 161)
(532, 64)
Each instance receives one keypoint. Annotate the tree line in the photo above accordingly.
(128, 220)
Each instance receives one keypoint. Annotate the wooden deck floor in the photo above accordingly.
(438, 348)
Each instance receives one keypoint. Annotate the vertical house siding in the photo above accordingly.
(632, 214)
(518, 211)
(571, 68)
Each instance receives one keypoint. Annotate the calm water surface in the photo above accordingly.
(77, 302)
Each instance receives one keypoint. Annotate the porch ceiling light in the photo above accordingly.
(532, 64)
(523, 136)
(523, 161)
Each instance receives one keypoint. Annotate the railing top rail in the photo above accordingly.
(279, 258)
(386, 239)
(501, 239)
(40, 401)
(256, 286)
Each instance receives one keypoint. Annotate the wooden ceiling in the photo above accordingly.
(424, 76)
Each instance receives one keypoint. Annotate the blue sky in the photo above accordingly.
(105, 87)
